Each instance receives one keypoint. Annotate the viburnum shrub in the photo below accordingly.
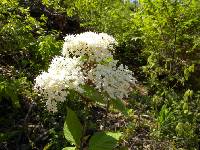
(86, 61)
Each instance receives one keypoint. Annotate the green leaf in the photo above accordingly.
(69, 148)
(8, 135)
(48, 146)
(104, 140)
(92, 94)
(118, 104)
(106, 61)
(72, 128)
(9, 89)
(163, 114)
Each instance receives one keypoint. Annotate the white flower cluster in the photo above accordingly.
(98, 69)
(117, 82)
(96, 46)
(63, 73)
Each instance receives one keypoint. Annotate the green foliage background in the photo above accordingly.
(159, 40)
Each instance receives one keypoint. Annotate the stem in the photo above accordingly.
(82, 138)
(106, 116)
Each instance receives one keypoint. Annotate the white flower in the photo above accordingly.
(96, 46)
(63, 73)
(117, 82)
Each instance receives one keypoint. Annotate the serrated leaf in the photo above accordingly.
(72, 128)
(104, 141)
(69, 148)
